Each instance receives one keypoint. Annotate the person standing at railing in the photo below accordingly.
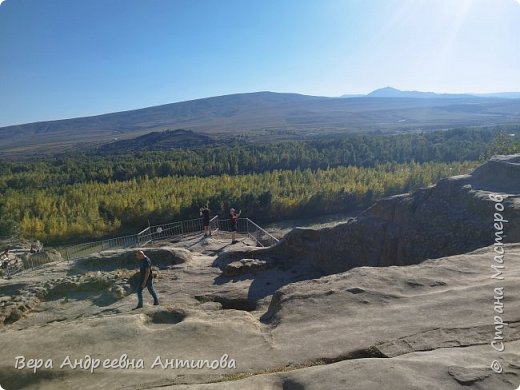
(145, 280)
(233, 217)
(204, 213)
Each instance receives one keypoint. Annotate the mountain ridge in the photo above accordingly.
(393, 92)
(266, 115)
(397, 93)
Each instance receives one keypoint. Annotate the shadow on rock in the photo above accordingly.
(290, 384)
(264, 283)
(164, 317)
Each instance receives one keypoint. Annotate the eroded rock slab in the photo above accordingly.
(454, 216)
(244, 266)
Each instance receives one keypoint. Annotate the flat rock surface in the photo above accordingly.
(408, 327)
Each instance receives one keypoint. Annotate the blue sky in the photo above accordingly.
(70, 58)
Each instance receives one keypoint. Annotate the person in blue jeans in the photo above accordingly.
(145, 280)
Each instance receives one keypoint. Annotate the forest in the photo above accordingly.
(238, 159)
(87, 196)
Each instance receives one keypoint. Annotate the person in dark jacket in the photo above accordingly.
(233, 217)
(204, 213)
(145, 279)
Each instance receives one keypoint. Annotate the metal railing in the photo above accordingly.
(36, 260)
(150, 234)
(85, 249)
(173, 230)
(20, 259)
(252, 230)
(10, 268)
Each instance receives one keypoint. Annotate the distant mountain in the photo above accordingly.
(264, 116)
(503, 95)
(397, 93)
(392, 92)
(169, 139)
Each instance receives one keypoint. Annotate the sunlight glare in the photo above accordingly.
(444, 55)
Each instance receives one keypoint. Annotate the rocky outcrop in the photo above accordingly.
(454, 216)
(415, 327)
(244, 266)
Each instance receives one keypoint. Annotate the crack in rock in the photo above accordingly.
(443, 338)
